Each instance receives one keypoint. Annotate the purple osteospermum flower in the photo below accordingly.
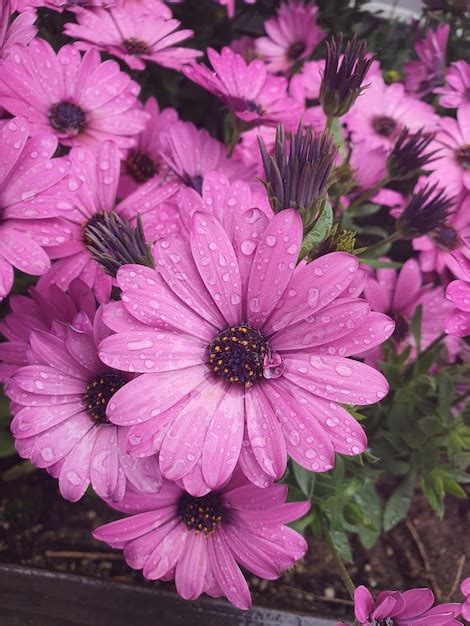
(292, 36)
(20, 31)
(398, 294)
(243, 353)
(134, 34)
(247, 89)
(60, 414)
(421, 77)
(39, 311)
(200, 541)
(28, 180)
(410, 608)
(99, 174)
(82, 100)
(465, 589)
(144, 160)
(456, 91)
(66, 5)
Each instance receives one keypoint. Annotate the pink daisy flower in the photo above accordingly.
(456, 91)
(306, 84)
(66, 5)
(38, 311)
(422, 76)
(458, 292)
(398, 294)
(247, 89)
(190, 153)
(82, 100)
(383, 111)
(293, 34)
(439, 253)
(144, 160)
(243, 355)
(29, 178)
(453, 160)
(60, 419)
(465, 589)
(200, 542)
(98, 171)
(19, 31)
(409, 608)
(134, 34)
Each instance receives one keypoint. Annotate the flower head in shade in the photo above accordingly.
(19, 31)
(398, 294)
(453, 160)
(144, 161)
(88, 211)
(243, 355)
(60, 421)
(383, 111)
(458, 292)
(201, 541)
(343, 76)
(135, 34)
(410, 155)
(298, 170)
(422, 76)
(29, 180)
(82, 100)
(40, 310)
(191, 152)
(465, 589)
(393, 608)
(293, 34)
(247, 89)
(456, 90)
(230, 4)
(427, 210)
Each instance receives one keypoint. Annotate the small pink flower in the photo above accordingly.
(458, 292)
(465, 589)
(29, 179)
(247, 89)
(453, 159)
(81, 100)
(409, 608)
(456, 91)
(60, 419)
(201, 541)
(383, 111)
(293, 34)
(398, 294)
(144, 160)
(203, 407)
(135, 34)
(421, 77)
(19, 31)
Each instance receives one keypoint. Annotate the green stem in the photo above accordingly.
(329, 121)
(368, 193)
(343, 572)
(433, 344)
(234, 140)
(390, 239)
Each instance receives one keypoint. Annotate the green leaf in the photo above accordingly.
(319, 232)
(304, 478)
(375, 263)
(364, 210)
(398, 505)
(341, 542)
(416, 327)
(6, 444)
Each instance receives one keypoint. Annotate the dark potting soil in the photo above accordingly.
(39, 529)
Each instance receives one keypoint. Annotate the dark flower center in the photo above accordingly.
(447, 238)
(254, 107)
(201, 514)
(385, 621)
(135, 46)
(99, 392)
(98, 219)
(295, 50)
(463, 156)
(67, 118)
(141, 167)
(401, 326)
(384, 125)
(237, 354)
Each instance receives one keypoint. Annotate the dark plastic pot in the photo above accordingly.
(31, 597)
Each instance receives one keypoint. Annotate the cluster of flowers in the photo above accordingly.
(174, 351)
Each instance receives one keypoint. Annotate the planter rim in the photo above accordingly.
(36, 597)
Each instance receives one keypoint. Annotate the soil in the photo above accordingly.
(39, 529)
